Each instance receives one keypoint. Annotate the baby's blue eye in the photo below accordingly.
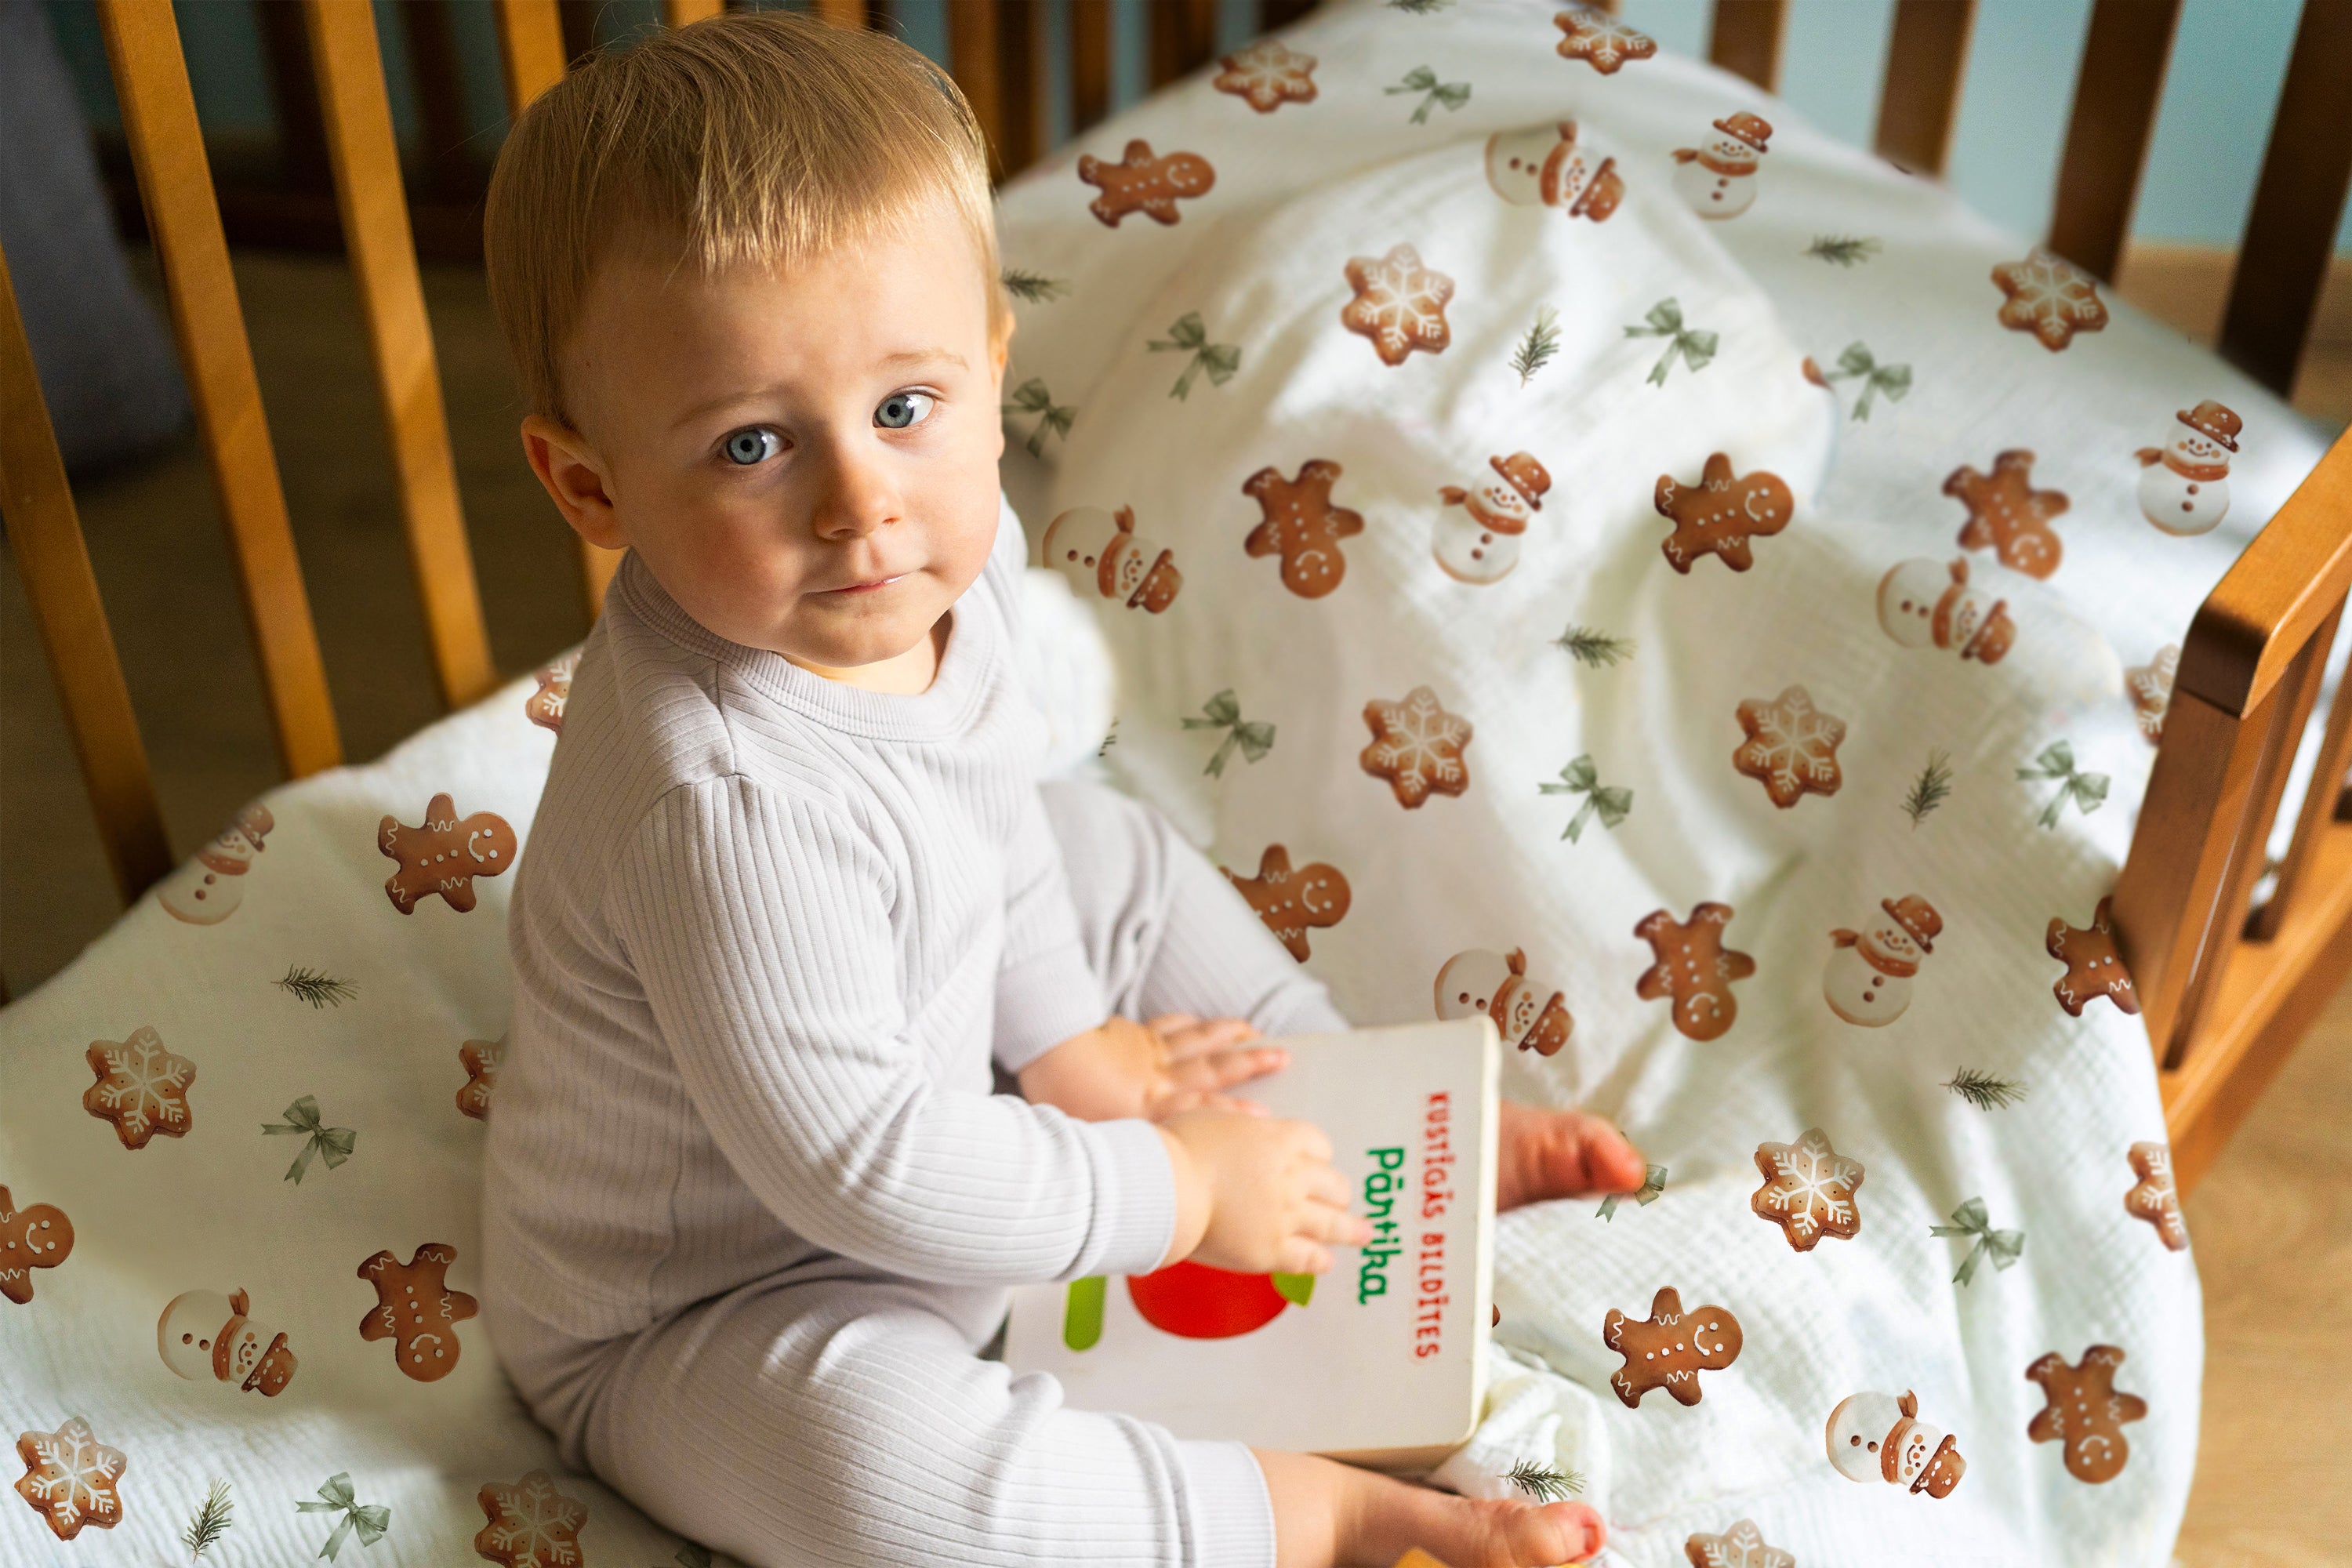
(749, 446)
(901, 409)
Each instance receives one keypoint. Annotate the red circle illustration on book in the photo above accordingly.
(1198, 1302)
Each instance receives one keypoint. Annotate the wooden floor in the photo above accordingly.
(2273, 1222)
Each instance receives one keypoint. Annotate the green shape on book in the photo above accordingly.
(1082, 1319)
(1296, 1288)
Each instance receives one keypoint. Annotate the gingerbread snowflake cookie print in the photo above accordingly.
(37, 1236)
(142, 1088)
(531, 1524)
(1601, 40)
(2154, 1197)
(2008, 515)
(1553, 166)
(2085, 1413)
(444, 855)
(1932, 604)
(2184, 485)
(1669, 1349)
(1880, 1437)
(1098, 552)
(1417, 747)
(1717, 179)
(207, 1337)
(1399, 304)
(1266, 75)
(1867, 980)
(210, 885)
(2094, 967)
(2149, 687)
(1300, 523)
(1477, 536)
(1142, 183)
(2050, 297)
(480, 1059)
(71, 1478)
(545, 706)
(1808, 1190)
(1791, 747)
(1741, 1546)
(417, 1311)
(1693, 968)
(1529, 1014)
(1289, 900)
(1721, 513)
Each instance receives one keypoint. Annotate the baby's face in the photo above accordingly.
(806, 462)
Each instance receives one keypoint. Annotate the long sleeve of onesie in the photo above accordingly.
(758, 924)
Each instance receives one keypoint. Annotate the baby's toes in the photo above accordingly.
(1525, 1535)
(1563, 1155)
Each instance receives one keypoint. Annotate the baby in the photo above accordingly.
(751, 1205)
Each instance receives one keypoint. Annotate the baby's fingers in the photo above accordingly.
(1186, 1036)
(1224, 1069)
(1335, 1226)
(1300, 1256)
(1325, 1185)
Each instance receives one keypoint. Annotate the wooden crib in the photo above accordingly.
(2227, 985)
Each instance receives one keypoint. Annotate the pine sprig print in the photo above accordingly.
(1593, 649)
(1033, 287)
(1930, 789)
(1544, 1483)
(210, 1522)
(1844, 249)
(1536, 349)
(316, 987)
(1419, 7)
(1985, 1090)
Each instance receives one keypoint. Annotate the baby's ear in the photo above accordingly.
(999, 340)
(574, 478)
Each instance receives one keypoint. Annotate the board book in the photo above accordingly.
(1381, 1360)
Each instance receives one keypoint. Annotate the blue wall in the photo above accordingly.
(2227, 63)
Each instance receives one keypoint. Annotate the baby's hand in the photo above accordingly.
(1123, 1068)
(1257, 1194)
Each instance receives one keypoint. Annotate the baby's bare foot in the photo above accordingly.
(1562, 1154)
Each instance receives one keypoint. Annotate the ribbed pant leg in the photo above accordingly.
(1164, 930)
(848, 1422)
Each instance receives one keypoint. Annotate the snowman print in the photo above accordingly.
(1868, 978)
(1477, 539)
(1718, 180)
(2184, 485)
(1548, 166)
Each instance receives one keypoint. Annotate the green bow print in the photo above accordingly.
(1031, 397)
(1665, 320)
(1255, 739)
(1894, 380)
(1654, 1182)
(2087, 791)
(1580, 778)
(370, 1522)
(1423, 80)
(302, 1119)
(2003, 1247)
(693, 1556)
(1189, 336)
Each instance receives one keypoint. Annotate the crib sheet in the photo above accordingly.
(1646, 564)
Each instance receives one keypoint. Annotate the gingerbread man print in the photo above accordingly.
(1670, 1349)
(445, 854)
(2007, 514)
(37, 1236)
(1694, 968)
(2094, 967)
(1302, 526)
(1289, 901)
(1721, 513)
(2085, 1413)
(415, 1310)
(1141, 182)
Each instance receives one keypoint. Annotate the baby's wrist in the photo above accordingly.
(1192, 1202)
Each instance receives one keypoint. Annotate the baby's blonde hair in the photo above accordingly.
(757, 137)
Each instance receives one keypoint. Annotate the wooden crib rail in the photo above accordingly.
(2226, 989)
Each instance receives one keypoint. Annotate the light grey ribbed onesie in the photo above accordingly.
(750, 1206)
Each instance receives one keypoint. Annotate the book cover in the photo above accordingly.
(1381, 1361)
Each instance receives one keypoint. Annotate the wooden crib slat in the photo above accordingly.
(1746, 37)
(2116, 92)
(2321, 803)
(1089, 66)
(176, 187)
(348, 63)
(45, 535)
(1276, 14)
(1183, 36)
(841, 12)
(1919, 102)
(530, 50)
(2283, 258)
(685, 12)
(972, 61)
